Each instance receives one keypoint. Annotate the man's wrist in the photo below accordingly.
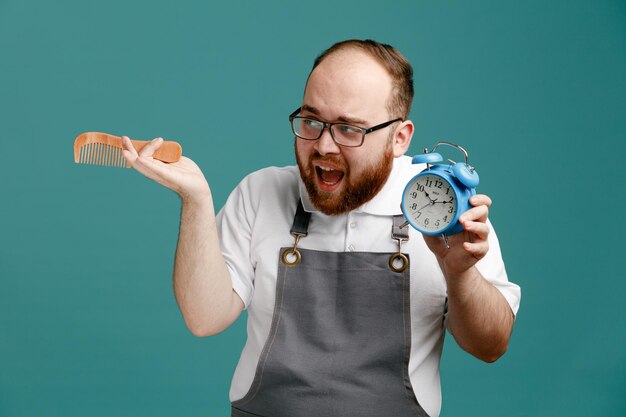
(198, 199)
(464, 283)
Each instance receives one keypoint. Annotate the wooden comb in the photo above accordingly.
(104, 149)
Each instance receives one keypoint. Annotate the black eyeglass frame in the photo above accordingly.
(328, 125)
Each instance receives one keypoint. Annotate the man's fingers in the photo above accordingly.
(154, 169)
(128, 151)
(151, 147)
(477, 249)
(479, 229)
(143, 161)
(480, 200)
(479, 213)
(128, 146)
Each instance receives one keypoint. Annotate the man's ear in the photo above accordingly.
(402, 138)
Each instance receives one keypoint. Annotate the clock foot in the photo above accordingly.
(445, 239)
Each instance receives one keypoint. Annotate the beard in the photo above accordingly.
(355, 191)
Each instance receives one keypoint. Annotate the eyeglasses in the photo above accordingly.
(343, 134)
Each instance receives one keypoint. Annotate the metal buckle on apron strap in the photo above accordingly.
(400, 236)
(292, 257)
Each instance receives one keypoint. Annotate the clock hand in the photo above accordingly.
(431, 203)
(425, 205)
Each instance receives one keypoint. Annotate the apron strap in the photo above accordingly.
(301, 221)
(400, 229)
(300, 228)
(398, 262)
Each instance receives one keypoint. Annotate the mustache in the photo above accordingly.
(333, 159)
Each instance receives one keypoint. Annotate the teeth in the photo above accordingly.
(326, 169)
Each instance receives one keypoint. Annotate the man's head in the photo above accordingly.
(361, 83)
(397, 66)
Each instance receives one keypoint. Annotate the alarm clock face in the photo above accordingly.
(429, 203)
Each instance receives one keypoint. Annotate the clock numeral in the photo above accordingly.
(448, 191)
(450, 209)
(419, 187)
(437, 223)
(429, 183)
(414, 194)
(438, 183)
(414, 206)
(445, 219)
(426, 221)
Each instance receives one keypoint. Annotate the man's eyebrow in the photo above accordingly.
(342, 119)
(310, 109)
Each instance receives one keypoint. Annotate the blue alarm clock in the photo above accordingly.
(434, 199)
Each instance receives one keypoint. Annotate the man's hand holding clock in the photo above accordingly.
(479, 317)
(457, 232)
(467, 247)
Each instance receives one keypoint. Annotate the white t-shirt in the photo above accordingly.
(255, 222)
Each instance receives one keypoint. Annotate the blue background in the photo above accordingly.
(88, 323)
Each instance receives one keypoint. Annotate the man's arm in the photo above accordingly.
(479, 317)
(202, 283)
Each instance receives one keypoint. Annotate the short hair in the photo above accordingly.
(397, 66)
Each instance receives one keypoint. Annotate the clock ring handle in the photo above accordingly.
(466, 174)
(454, 145)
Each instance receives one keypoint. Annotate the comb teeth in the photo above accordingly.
(101, 154)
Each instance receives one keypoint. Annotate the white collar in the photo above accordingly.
(387, 201)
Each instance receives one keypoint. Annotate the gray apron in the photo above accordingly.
(340, 337)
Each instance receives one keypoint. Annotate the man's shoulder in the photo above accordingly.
(271, 185)
(281, 176)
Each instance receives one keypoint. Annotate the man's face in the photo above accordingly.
(349, 87)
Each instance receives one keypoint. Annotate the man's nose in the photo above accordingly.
(326, 144)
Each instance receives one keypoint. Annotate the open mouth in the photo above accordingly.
(328, 178)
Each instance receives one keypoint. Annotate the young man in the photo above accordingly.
(333, 330)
